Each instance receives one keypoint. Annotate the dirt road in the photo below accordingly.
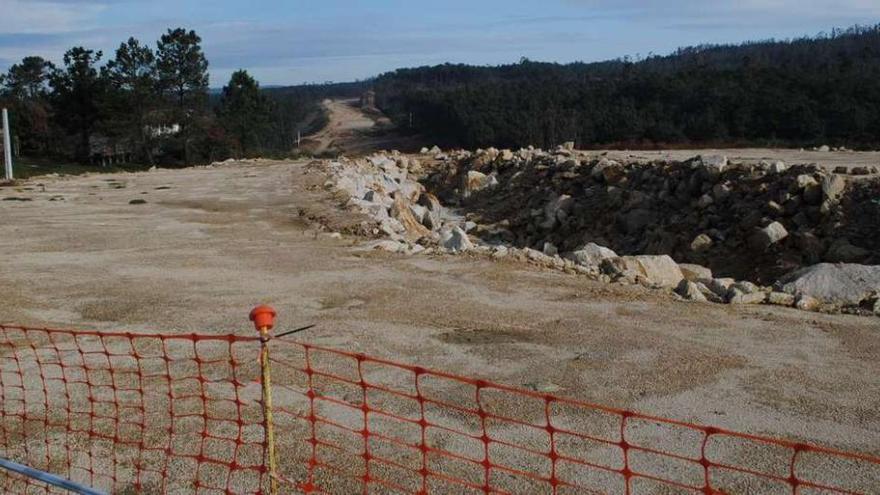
(353, 131)
(209, 243)
(346, 123)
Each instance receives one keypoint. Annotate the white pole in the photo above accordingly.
(7, 145)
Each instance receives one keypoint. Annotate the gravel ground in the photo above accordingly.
(210, 243)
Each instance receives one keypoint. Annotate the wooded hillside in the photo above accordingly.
(803, 92)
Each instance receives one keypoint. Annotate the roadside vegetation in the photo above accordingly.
(146, 106)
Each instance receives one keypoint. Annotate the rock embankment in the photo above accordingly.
(408, 218)
(707, 229)
(750, 221)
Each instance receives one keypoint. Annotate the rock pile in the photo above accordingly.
(747, 221)
(384, 188)
(561, 209)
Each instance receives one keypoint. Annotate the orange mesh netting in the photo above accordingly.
(139, 413)
(375, 425)
(129, 413)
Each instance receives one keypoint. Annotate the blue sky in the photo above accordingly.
(296, 41)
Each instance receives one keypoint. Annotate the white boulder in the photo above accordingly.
(477, 181)
(841, 283)
(695, 273)
(659, 270)
(591, 254)
(455, 240)
(769, 235)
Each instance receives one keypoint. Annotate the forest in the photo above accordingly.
(149, 106)
(153, 105)
(802, 92)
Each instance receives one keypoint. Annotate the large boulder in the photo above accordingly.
(608, 170)
(719, 286)
(776, 167)
(737, 296)
(695, 273)
(377, 212)
(807, 303)
(402, 212)
(432, 218)
(539, 257)
(657, 270)
(780, 299)
(556, 210)
(418, 212)
(455, 240)
(477, 181)
(769, 235)
(384, 183)
(392, 228)
(810, 189)
(621, 269)
(690, 291)
(843, 283)
(352, 183)
(833, 186)
(411, 189)
(383, 162)
(591, 255)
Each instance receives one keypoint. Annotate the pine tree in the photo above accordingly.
(25, 86)
(77, 91)
(183, 78)
(133, 78)
(244, 113)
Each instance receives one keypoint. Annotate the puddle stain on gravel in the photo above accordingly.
(482, 336)
(341, 302)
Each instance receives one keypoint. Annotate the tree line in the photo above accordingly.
(803, 92)
(147, 105)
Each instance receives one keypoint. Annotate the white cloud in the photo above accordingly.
(46, 17)
(286, 43)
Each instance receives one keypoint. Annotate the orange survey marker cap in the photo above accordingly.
(263, 317)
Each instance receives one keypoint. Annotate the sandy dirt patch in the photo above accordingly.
(210, 243)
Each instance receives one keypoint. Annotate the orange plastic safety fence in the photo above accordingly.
(131, 413)
(375, 426)
(138, 413)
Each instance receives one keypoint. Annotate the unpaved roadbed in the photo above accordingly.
(209, 243)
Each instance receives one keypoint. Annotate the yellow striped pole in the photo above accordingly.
(264, 319)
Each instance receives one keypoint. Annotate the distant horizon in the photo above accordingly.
(672, 52)
(284, 43)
